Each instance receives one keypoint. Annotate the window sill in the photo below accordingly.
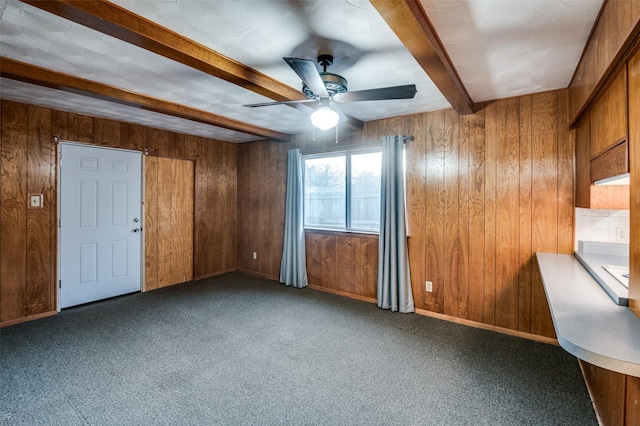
(363, 234)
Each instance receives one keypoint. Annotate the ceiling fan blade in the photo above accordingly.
(298, 101)
(396, 92)
(308, 73)
(342, 115)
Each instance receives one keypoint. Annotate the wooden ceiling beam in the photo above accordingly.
(408, 19)
(16, 70)
(116, 21)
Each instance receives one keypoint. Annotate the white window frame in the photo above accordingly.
(347, 154)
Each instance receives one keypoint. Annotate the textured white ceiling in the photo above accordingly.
(500, 49)
(504, 48)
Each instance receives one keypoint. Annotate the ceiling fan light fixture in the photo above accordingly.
(324, 118)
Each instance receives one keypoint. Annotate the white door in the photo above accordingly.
(100, 223)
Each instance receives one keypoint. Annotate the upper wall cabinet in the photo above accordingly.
(602, 149)
(609, 117)
(606, 49)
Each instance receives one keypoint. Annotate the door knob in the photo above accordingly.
(136, 229)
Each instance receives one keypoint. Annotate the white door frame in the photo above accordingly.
(59, 213)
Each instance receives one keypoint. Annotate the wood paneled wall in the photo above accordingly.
(484, 193)
(28, 244)
(616, 396)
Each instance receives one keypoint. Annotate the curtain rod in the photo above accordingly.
(364, 145)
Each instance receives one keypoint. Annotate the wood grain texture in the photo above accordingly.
(33, 74)
(566, 167)
(634, 162)
(40, 173)
(607, 49)
(174, 195)
(150, 223)
(609, 116)
(409, 20)
(118, 22)
(416, 204)
(434, 204)
(632, 406)
(613, 162)
(525, 253)
(28, 164)
(583, 163)
(490, 205)
(478, 187)
(544, 227)
(13, 212)
(451, 260)
(507, 211)
(607, 389)
(477, 216)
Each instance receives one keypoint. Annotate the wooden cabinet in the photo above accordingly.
(608, 122)
(602, 150)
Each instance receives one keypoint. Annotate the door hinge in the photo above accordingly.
(59, 283)
(59, 223)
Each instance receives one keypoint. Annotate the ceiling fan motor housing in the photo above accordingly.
(333, 82)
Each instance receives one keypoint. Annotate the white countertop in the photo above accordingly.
(589, 325)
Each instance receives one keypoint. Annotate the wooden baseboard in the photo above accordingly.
(510, 332)
(343, 293)
(213, 274)
(29, 318)
(259, 274)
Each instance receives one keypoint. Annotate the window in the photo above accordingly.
(342, 191)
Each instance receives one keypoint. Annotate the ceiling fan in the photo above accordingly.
(326, 89)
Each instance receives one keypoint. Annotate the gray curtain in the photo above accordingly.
(394, 280)
(293, 268)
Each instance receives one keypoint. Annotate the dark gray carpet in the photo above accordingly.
(240, 350)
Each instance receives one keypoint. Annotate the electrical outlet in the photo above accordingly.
(622, 234)
(428, 286)
(255, 255)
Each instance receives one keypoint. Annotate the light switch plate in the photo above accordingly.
(36, 201)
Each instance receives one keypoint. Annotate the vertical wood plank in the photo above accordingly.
(329, 260)
(59, 128)
(347, 268)
(463, 216)
(85, 129)
(13, 211)
(633, 401)
(110, 133)
(490, 212)
(507, 213)
(165, 224)
(477, 216)
(314, 263)
(608, 389)
(583, 158)
(634, 202)
(566, 150)
(182, 220)
(434, 209)
(451, 258)
(416, 207)
(151, 223)
(40, 169)
(137, 137)
(544, 227)
(524, 202)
